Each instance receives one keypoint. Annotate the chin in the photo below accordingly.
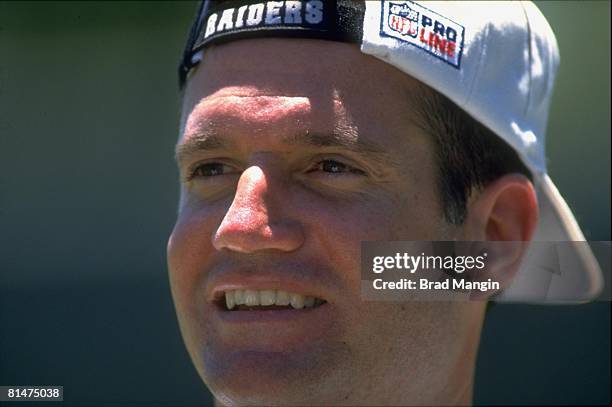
(259, 377)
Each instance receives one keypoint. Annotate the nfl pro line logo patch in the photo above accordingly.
(433, 33)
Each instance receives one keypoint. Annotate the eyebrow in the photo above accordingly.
(340, 138)
(203, 141)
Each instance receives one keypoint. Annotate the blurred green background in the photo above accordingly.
(88, 191)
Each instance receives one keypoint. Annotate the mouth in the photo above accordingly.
(271, 313)
(266, 300)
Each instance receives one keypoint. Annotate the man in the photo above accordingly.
(308, 127)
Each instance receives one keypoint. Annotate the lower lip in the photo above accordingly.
(273, 316)
(275, 330)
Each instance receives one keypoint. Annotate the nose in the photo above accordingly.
(254, 221)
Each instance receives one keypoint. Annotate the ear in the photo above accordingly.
(505, 210)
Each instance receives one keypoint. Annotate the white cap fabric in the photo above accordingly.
(497, 61)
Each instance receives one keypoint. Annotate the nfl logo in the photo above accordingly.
(403, 19)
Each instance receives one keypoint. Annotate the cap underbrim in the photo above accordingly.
(566, 272)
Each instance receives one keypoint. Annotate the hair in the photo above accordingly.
(469, 155)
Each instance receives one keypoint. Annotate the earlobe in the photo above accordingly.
(504, 211)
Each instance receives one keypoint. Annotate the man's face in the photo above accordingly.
(291, 153)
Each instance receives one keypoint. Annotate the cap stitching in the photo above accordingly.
(479, 65)
(530, 62)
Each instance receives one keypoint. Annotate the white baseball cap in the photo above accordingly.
(495, 60)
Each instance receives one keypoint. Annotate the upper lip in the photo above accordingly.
(242, 279)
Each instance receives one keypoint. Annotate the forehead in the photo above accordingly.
(316, 78)
(296, 65)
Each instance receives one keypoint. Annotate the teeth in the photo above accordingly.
(309, 302)
(229, 300)
(267, 297)
(282, 298)
(239, 297)
(297, 301)
(253, 298)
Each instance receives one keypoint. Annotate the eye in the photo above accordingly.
(213, 169)
(335, 167)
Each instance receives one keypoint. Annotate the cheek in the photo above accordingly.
(336, 228)
(339, 227)
(420, 217)
(188, 253)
